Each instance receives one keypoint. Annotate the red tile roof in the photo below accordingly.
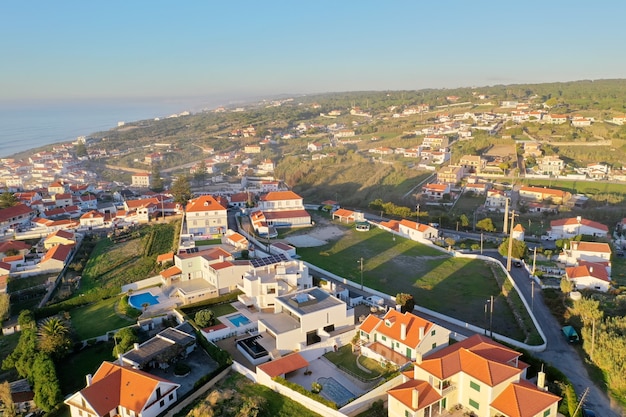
(62, 234)
(396, 319)
(58, 253)
(280, 195)
(277, 215)
(523, 399)
(284, 365)
(204, 203)
(598, 247)
(170, 272)
(15, 211)
(13, 244)
(574, 221)
(590, 269)
(426, 394)
(343, 213)
(165, 257)
(420, 227)
(544, 191)
(92, 215)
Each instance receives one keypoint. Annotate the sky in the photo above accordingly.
(66, 50)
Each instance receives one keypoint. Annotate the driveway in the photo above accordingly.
(199, 362)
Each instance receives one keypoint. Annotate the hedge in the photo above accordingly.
(305, 392)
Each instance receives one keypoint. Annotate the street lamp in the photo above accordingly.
(417, 209)
(361, 262)
(490, 303)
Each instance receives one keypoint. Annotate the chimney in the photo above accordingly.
(136, 346)
(421, 333)
(541, 380)
(579, 219)
(418, 358)
(88, 378)
(590, 269)
(403, 331)
(415, 395)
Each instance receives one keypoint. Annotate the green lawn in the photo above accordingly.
(344, 358)
(230, 394)
(97, 319)
(72, 373)
(218, 309)
(452, 286)
(8, 343)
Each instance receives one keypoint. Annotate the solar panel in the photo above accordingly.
(268, 260)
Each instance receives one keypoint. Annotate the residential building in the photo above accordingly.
(589, 275)
(348, 216)
(435, 191)
(496, 200)
(532, 149)
(542, 194)
(141, 180)
(168, 346)
(252, 149)
(302, 320)
(56, 257)
(418, 232)
(574, 226)
(15, 246)
(483, 376)
(281, 200)
(92, 218)
(550, 165)
(116, 390)
(518, 232)
(555, 119)
(271, 277)
(451, 174)
(585, 251)
(436, 142)
(472, 163)
(59, 237)
(400, 338)
(205, 216)
(15, 216)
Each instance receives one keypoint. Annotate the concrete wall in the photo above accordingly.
(144, 283)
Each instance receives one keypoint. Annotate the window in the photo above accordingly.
(80, 412)
(406, 413)
(432, 333)
(474, 404)
(434, 345)
(161, 403)
(384, 338)
(171, 397)
(546, 413)
(474, 386)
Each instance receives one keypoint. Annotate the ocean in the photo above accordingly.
(25, 126)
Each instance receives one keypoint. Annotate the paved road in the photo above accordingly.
(559, 353)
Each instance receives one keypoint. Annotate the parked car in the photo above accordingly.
(547, 237)
(517, 264)
(588, 412)
(571, 334)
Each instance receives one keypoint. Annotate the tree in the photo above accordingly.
(567, 286)
(486, 224)
(405, 301)
(199, 175)
(518, 251)
(157, 181)
(588, 309)
(6, 400)
(124, 341)
(23, 355)
(8, 200)
(5, 304)
(54, 337)
(204, 317)
(80, 149)
(464, 221)
(45, 383)
(181, 190)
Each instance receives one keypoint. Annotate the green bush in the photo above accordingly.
(181, 369)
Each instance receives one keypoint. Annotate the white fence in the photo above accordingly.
(144, 283)
(365, 401)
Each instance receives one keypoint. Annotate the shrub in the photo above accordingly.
(181, 369)
(306, 393)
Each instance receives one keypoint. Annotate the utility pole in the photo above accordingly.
(506, 216)
(417, 209)
(361, 261)
(534, 259)
(508, 259)
(593, 337)
(582, 400)
(481, 243)
(491, 318)
(532, 295)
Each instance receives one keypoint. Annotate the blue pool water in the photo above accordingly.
(238, 320)
(138, 300)
(334, 391)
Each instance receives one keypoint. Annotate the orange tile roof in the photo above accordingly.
(145, 202)
(13, 258)
(590, 269)
(58, 253)
(280, 195)
(518, 228)
(5, 266)
(204, 203)
(170, 272)
(165, 257)
(92, 214)
(436, 187)
(477, 356)
(599, 247)
(13, 244)
(420, 227)
(404, 393)
(391, 224)
(574, 221)
(369, 323)
(61, 233)
(236, 237)
(523, 399)
(397, 319)
(284, 365)
(544, 191)
(114, 385)
(343, 213)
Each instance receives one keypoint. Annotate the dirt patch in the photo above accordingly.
(318, 236)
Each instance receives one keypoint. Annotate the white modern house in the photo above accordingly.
(573, 226)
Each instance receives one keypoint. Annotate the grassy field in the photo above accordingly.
(97, 319)
(453, 286)
(18, 284)
(235, 392)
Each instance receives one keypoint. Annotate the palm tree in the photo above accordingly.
(54, 337)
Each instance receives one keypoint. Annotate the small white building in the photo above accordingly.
(574, 226)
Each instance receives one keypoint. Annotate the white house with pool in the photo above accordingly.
(302, 321)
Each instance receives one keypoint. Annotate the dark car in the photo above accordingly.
(518, 264)
(588, 412)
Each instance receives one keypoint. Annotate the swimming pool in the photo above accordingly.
(333, 390)
(138, 300)
(238, 320)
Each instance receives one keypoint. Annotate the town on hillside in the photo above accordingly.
(174, 273)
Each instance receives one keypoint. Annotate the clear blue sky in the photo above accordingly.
(132, 48)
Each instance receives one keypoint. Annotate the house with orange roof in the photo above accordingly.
(92, 218)
(589, 275)
(518, 232)
(400, 338)
(15, 216)
(574, 226)
(555, 119)
(483, 376)
(280, 367)
(496, 200)
(235, 239)
(14, 246)
(205, 216)
(240, 200)
(116, 390)
(5, 268)
(451, 174)
(56, 257)
(165, 257)
(280, 209)
(348, 216)
(63, 200)
(435, 191)
(141, 180)
(542, 194)
(59, 237)
(418, 232)
(14, 261)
